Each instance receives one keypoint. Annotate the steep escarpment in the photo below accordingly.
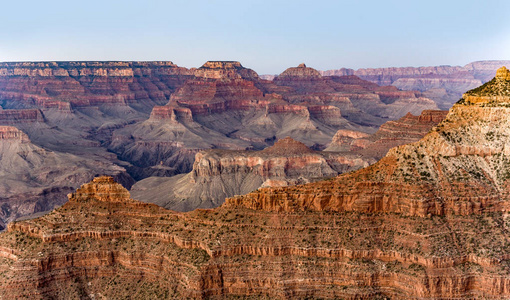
(460, 167)
(105, 244)
(218, 174)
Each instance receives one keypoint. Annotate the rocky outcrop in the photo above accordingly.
(301, 71)
(171, 113)
(494, 92)
(103, 189)
(13, 133)
(218, 174)
(225, 69)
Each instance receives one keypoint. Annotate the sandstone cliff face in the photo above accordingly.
(105, 244)
(218, 174)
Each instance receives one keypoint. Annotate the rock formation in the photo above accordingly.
(493, 93)
(428, 221)
(74, 107)
(218, 174)
(228, 107)
(155, 116)
(359, 101)
(89, 83)
(293, 243)
(225, 69)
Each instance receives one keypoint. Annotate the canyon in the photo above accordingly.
(219, 174)
(137, 120)
(235, 110)
(427, 221)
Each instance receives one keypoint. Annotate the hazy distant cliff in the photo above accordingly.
(444, 84)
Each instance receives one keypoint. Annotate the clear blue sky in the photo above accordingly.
(267, 36)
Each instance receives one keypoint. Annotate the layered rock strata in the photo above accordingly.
(363, 102)
(103, 244)
(89, 83)
(218, 174)
(155, 116)
(228, 107)
(405, 130)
